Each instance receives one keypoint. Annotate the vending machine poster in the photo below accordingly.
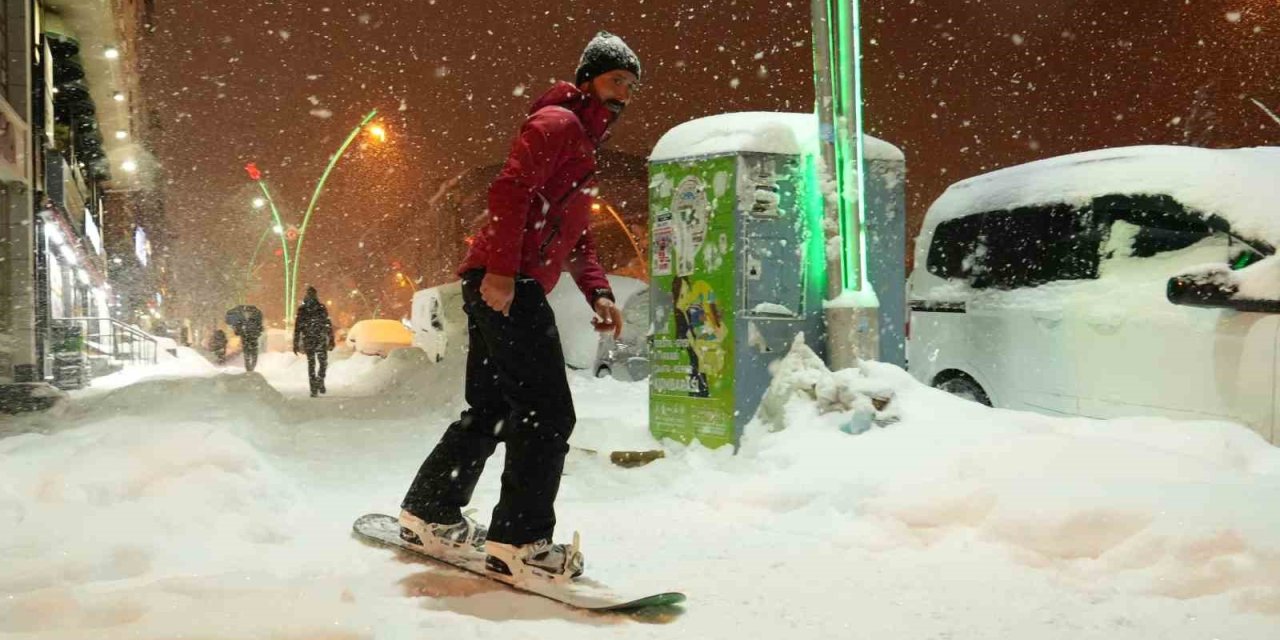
(693, 299)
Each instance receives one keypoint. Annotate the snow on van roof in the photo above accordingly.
(754, 131)
(1241, 185)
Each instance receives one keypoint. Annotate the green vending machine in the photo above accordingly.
(738, 259)
(736, 267)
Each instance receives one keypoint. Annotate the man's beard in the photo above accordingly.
(615, 106)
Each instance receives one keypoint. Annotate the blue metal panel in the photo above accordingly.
(886, 238)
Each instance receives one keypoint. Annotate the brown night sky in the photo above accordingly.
(961, 86)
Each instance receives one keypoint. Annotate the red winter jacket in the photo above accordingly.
(540, 204)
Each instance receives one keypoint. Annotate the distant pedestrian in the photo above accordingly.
(313, 333)
(246, 322)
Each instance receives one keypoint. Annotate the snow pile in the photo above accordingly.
(1139, 506)
(802, 375)
(754, 132)
(187, 362)
(214, 507)
(406, 383)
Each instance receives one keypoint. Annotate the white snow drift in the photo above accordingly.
(218, 507)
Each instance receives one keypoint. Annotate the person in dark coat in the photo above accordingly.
(218, 345)
(248, 325)
(313, 333)
(538, 226)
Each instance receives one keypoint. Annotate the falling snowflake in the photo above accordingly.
(322, 113)
(284, 35)
(1234, 16)
(518, 91)
(1017, 39)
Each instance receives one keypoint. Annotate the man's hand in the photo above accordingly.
(498, 292)
(608, 317)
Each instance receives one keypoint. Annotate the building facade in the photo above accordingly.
(76, 290)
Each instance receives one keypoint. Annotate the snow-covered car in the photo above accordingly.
(627, 357)
(1130, 281)
(379, 337)
(440, 324)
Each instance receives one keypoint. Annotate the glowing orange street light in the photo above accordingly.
(378, 132)
(597, 207)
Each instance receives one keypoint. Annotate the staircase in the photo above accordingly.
(82, 348)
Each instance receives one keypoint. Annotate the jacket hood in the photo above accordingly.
(592, 113)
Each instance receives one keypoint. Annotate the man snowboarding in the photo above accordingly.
(313, 333)
(516, 387)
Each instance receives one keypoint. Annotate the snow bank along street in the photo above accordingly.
(197, 502)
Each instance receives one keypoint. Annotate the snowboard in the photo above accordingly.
(582, 593)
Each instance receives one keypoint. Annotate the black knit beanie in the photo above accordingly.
(606, 52)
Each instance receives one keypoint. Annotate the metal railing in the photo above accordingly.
(121, 342)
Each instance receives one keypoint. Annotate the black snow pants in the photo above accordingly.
(317, 364)
(518, 394)
(250, 353)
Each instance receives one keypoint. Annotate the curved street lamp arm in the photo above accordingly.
(284, 246)
(306, 219)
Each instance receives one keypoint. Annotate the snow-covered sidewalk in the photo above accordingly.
(217, 505)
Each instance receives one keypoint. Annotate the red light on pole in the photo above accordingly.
(252, 169)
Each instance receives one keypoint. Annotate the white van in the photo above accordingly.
(438, 321)
(1131, 281)
(440, 324)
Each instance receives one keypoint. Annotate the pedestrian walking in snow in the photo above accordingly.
(246, 321)
(313, 333)
(516, 387)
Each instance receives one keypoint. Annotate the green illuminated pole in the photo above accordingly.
(852, 313)
(844, 45)
(284, 246)
(306, 219)
(248, 276)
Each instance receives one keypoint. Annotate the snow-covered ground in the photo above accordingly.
(189, 501)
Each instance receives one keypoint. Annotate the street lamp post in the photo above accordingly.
(635, 244)
(368, 307)
(292, 267)
(258, 203)
(378, 132)
(852, 310)
(248, 276)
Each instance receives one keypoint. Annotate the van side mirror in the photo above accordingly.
(1214, 288)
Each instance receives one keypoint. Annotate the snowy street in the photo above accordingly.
(189, 501)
